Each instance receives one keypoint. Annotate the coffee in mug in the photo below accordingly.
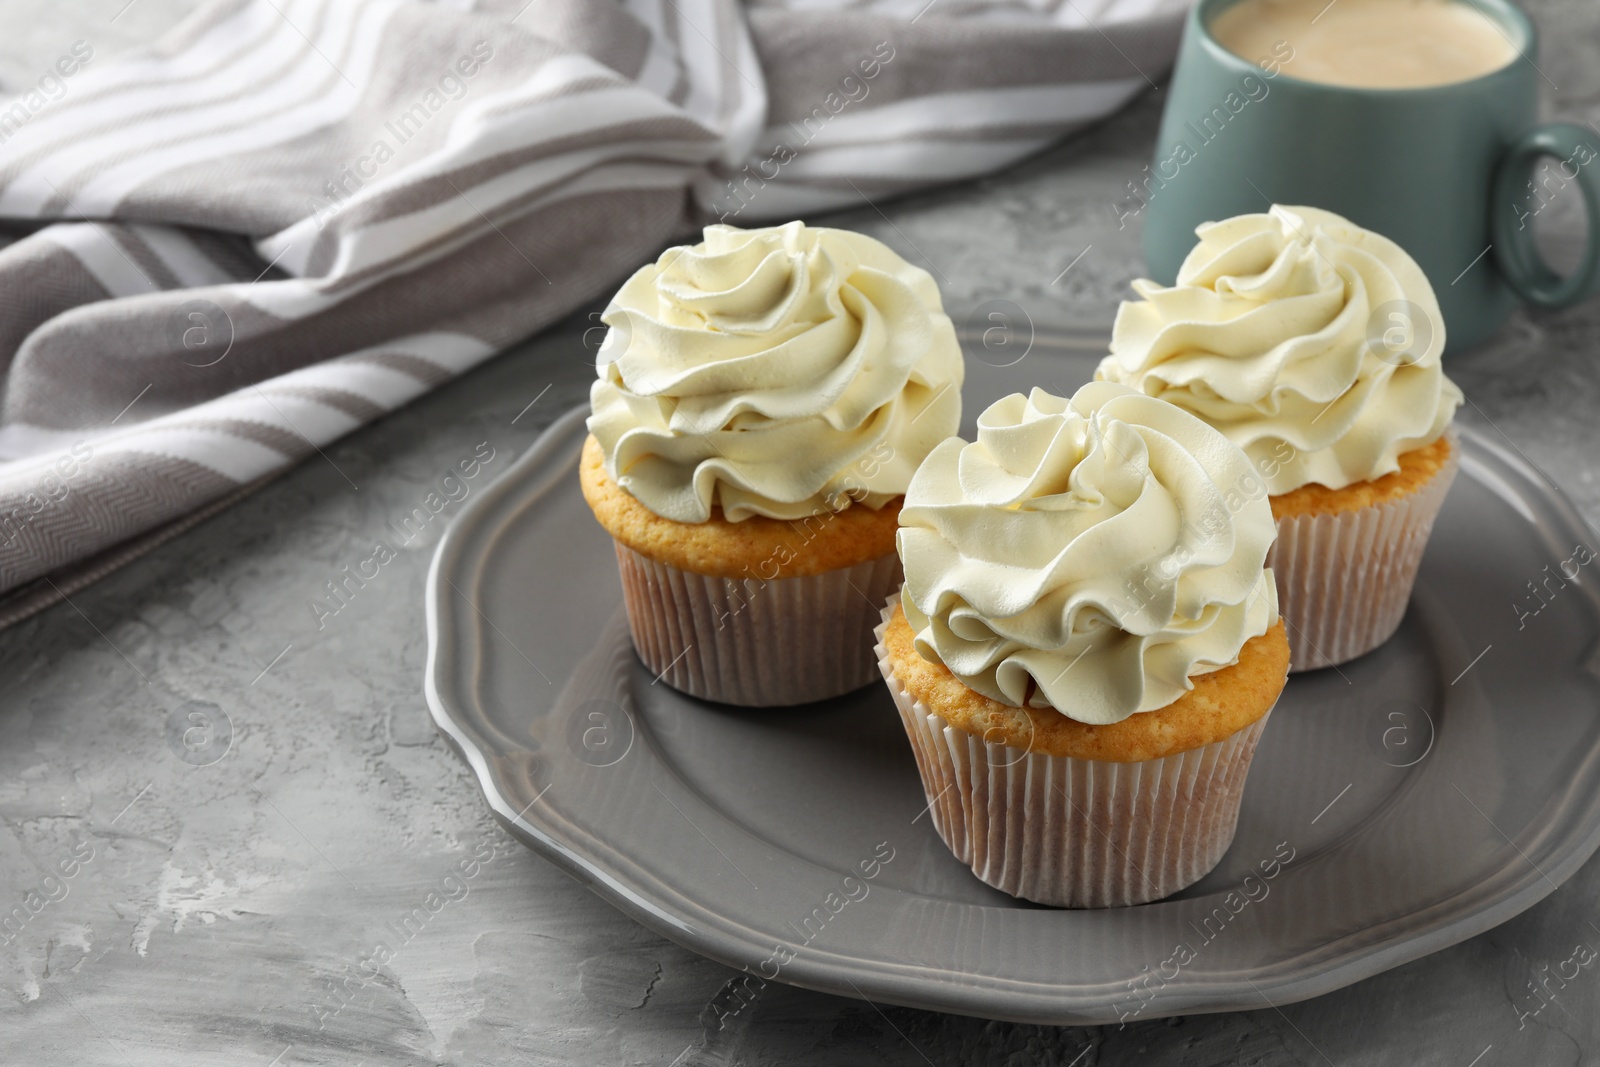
(1369, 44)
(1413, 118)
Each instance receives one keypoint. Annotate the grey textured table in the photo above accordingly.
(217, 911)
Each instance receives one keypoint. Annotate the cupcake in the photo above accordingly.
(1087, 646)
(763, 399)
(1313, 345)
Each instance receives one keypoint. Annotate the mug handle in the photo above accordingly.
(1515, 254)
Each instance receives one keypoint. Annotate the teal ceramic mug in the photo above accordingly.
(1445, 171)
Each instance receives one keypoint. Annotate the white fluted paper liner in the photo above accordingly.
(1344, 580)
(757, 643)
(1075, 833)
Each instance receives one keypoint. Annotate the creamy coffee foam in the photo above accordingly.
(1373, 44)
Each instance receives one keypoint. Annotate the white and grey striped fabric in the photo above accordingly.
(288, 217)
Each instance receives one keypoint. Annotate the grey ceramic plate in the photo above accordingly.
(1397, 805)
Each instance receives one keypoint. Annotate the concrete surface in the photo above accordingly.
(246, 801)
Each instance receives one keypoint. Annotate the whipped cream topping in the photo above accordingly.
(1313, 344)
(779, 372)
(1089, 555)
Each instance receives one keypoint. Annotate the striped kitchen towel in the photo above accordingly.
(287, 217)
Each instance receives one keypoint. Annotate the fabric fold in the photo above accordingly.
(280, 221)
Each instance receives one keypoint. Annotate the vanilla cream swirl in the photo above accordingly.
(775, 372)
(1313, 344)
(1089, 555)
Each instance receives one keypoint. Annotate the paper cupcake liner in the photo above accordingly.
(1344, 580)
(1075, 833)
(752, 642)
